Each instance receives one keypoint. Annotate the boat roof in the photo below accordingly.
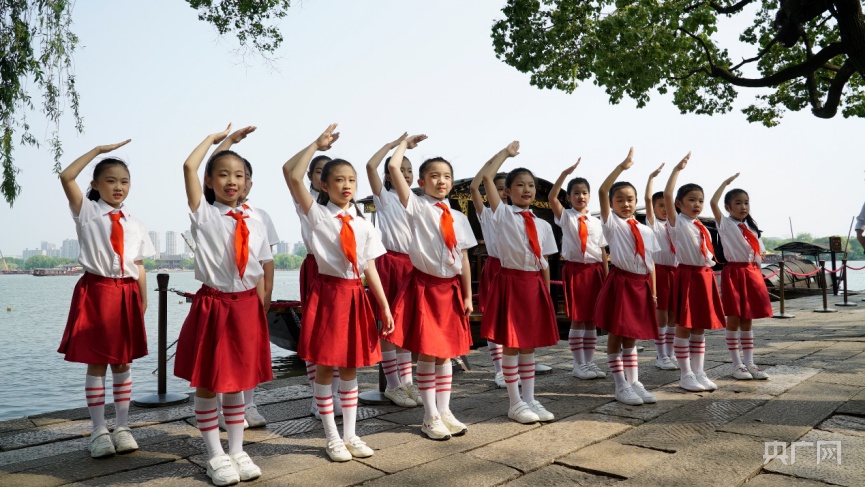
(804, 248)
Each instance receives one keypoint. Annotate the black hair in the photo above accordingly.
(248, 167)
(387, 183)
(209, 194)
(92, 193)
(685, 189)
(619, 185)
(313, 164)
(323, 197)
(500, 175)
(427, 163)
(657, 196)
(728, 198)
(576, 181)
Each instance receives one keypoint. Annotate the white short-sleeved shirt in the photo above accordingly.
(326, 246)
(488, 228)
(736, 248)
(512, 240)
(93, 226)
(688, 242)
(663, 233)
(428, 252)
(213, 232)
(392, 219)
(264, 218)
(571, 245)
(304, 223)
(860, 220)
(623, 254)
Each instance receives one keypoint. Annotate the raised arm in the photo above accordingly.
(235, 138)
(475, 189)
(68, 176)
(295, 168)
(650, 210)
(716, 198)
(375, 161)
(604, 191)
(193, 162)
(492, 167)
(552, 198)
(670, 190)
(402, 188)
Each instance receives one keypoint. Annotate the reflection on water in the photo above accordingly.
(288, 366)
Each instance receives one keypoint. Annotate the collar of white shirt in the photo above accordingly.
(224, 209)
(432, 201)
(517, 209)
(105, 208)
(335, 210)
(248, 205)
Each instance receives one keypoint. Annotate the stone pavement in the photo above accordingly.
(816, 396)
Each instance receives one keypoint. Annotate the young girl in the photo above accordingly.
(223, 345)
(433, 304)
(665, 275)
(492, 264)
(744, 294)
(584, 270)
(626, 306)
(519, 311)
(699, 305)
(394, 267)
(338, 328)
(106, 318)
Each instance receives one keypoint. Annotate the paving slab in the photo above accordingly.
(330, 474)
(47, 434)
(180, 473)
(775, 480)
(855, 406)
(612, 458)
(449, 471)
(844, 424)
(825, 468)
(669, 398)
(555, 475)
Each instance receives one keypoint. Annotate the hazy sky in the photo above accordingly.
(152, 72)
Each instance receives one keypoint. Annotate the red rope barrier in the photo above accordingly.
(770, 276)
(836, 270)
(801, 275)
(855, 268)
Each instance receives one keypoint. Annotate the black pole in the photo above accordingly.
(826, 308)
(781, 314)
(844, 281)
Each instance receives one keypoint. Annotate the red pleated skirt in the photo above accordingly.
(697, 298)
(429, 318)
(308, 273)
(744, 292)
(519, 311)
(582, 284)
(665, 287)
(626, 307)
(492, 266)
(338, 327)
(224, 345)
(105, 323)
(393, 269)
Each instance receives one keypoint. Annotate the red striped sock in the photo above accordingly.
(748, 346)
(122, 392)
(617, 368)
(527, 376)
(683, 354)
(403, 360)
(660, 342)
(234, 410)
(669, 338)
(575, 341)
(208, 426)
(733, 347)
(510, 370)
(426, 384)
(495, 355)
(324, 401)
(94, 393)
(348, 396)
(390, 368)
(444, 376)
(590, 341)
(310, 373)
(698, 352)
(630, 363)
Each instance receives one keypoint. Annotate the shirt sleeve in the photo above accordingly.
(89, 209)
(563, 220)
(860, 220)
(650, 241)
(315, 215)
(203, 213)
(548, 245)
(414, 205)
(272, 236)
(465, 234)
(146, 248)
(602, 240)
(264, 254)
(374, 246)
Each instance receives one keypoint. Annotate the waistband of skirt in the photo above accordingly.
(629, 275)
(398, 255)
(571, 263)
(108, 280)
(340, 281)
(216, 293)
(742, 265)
(695, 268)
(520, 273)
(435, 279)
(668, 268)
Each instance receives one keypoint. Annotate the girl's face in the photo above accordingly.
(691, 204)
(739, 207)
(405, 170)
(500, 187)
(316, 175)
(246, 189)
(112, 185)
(660, 209)
(437, 181)
(624, 202)
(522, 190)
(579, 197)
(340, 185)
(227, 179)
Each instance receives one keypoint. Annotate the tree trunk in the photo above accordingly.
(852, 29)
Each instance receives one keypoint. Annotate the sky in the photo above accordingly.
(152, 72)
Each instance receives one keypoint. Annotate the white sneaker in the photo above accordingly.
(221, 470)
(314, 410)
(756, 372)
(358, 448)
(244, 466)
(220, 419)
(646, 396)
(522, 413)
(500, 380)
(741, 373)
(435, 429)
(337, 405)
(337, 451)
(100, 443)
(398, 396)
(539, 409)
(598, 372)
(455, 426)
(626, 395)
(123, 440)
(253, 419)
(582, 371)
(689, 382)
(673, 363)
(704, 380)
(414, 393)
(664, 363)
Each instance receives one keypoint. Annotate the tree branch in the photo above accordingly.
(757, 57)
(721, 9)
(786, 74)
(833, 95)
(705, 47)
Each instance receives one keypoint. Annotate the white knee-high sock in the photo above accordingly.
(575, 341)
(94, 393)
(617, 368)
(444, 377)
(629, 360)
(669, 338)
(249, 397)
(510, 369)
(683, 354)
(324, 400)
(206, 419)
(661, 342)
(348, 396)
(496, 355)
(590, 341)
(733, 347)
(698, 352)
(334, 383)
(310, 373)
(122, 392)
(234, 410)
(426, 384)
(748, 346)
(404, 362)
(527, 375)
(390, 368)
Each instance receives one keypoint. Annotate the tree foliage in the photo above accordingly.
(36, 65)
(806, 53)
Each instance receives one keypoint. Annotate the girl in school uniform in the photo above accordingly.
(665, 275)
(626, 304)
(745, 296)
(223, 345)
(519, 311)
(394, 267)
(584, 270)
(492, 264)
(338, 328)
(432, 307)
(698, 302)
(106, 318)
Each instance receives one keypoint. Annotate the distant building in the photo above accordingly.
(154, 239)
(171, 243)
(70, 249)
(27, 253)
(283, 248)
(47, 246)
(297, 247)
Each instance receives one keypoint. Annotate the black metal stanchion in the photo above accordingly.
(844, 281)
(376, 397)
(780, 314)
(162, 398)
(825, 308)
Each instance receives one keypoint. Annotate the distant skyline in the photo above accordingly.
(152, 72)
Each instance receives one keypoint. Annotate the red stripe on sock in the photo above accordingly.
(211, 411)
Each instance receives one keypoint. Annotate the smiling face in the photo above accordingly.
(437, 180)
(227, 179)
(624, 202)
(522, 190)
(579, 197)
(691, 203)
(738, 206)
(340, 184)
(112, 184)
